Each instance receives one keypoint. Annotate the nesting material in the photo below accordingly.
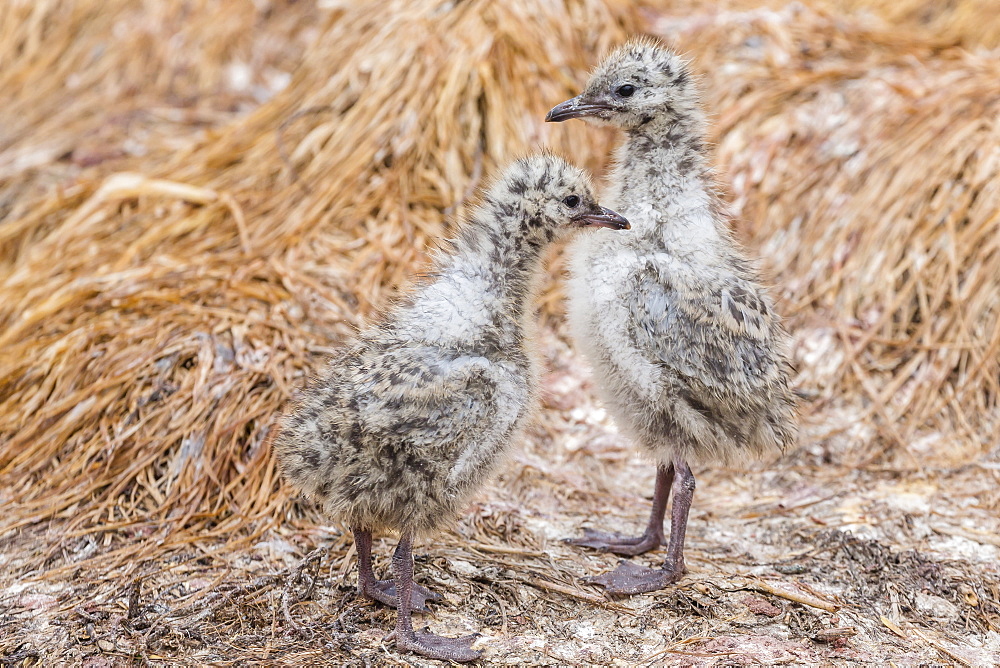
(182, 253)
(972, 23)
(864, 166)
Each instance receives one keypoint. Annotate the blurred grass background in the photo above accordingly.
(200, 199)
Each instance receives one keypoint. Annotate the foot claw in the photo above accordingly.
(384, 591)
(438, 647)
(630, 578)
(615, 542)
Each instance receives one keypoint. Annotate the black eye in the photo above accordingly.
(572, 201)
(626, 91)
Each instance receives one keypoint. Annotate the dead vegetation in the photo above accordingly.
(863, 162)
(198, 200)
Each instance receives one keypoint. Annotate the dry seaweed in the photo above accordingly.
(861, 163)
(199, 200)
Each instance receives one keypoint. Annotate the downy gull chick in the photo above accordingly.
(403, 426)
(688, 353)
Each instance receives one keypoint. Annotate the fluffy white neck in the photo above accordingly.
(483, 292)
(661, 182)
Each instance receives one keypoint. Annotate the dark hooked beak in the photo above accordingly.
(574, 108)
(606, 218)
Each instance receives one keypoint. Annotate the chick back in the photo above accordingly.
(396, 434)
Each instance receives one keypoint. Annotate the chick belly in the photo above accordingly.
(665, 412)
(666, 428)
(600, 325)
(407, 494)
(627, 383)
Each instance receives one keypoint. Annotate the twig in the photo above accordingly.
(288, 614)
(975, 536)
(669, 649)
(795, 596)
(892, 626)
(583, 596)
(941, 648)
(299, 574)
(831, 635)
(500, 549)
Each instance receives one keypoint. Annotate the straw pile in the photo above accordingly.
(864, 163)
(154, 320)
(197, 201)
(971, 23)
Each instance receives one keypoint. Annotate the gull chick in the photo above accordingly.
(406, 424)
(688, 353)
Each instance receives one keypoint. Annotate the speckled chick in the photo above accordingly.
(688, 353)
(406, 424)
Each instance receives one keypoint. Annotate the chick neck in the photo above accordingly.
(483, 292)
(661, 175)
(502, 244)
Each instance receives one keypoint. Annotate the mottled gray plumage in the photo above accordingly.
(687, 350)
(405, 424)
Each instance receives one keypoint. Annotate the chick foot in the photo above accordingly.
(617, 543)
(650, 539)
(424, 643)
(384, 591)
(629, 578)
(434, 646)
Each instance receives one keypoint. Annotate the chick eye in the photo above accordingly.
(572, 201)
(626, 90)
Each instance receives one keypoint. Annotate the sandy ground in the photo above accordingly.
(804, 560)
(844, 551)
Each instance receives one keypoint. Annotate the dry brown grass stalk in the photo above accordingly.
(861, 163)
(183, 236)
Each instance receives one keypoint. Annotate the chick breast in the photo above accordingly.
(690, 358)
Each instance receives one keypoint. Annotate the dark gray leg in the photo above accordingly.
(366, 576)
(629, 578)
(651, 538)
(684, 488)
(423, 643)
(383, 591)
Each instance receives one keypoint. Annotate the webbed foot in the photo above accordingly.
(434, 646)
(617, 543)
(384, 591)
(630, 578)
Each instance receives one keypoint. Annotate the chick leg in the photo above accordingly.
(629, 578)
(651, 538)
(423, 643)
(383, 591)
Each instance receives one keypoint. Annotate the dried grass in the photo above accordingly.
(971, 23)
(153, 322)
(182, 237)
(863, 163)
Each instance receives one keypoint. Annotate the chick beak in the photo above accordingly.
(602, 218)
(577, 107)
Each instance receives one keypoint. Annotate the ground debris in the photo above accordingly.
(180, 250)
